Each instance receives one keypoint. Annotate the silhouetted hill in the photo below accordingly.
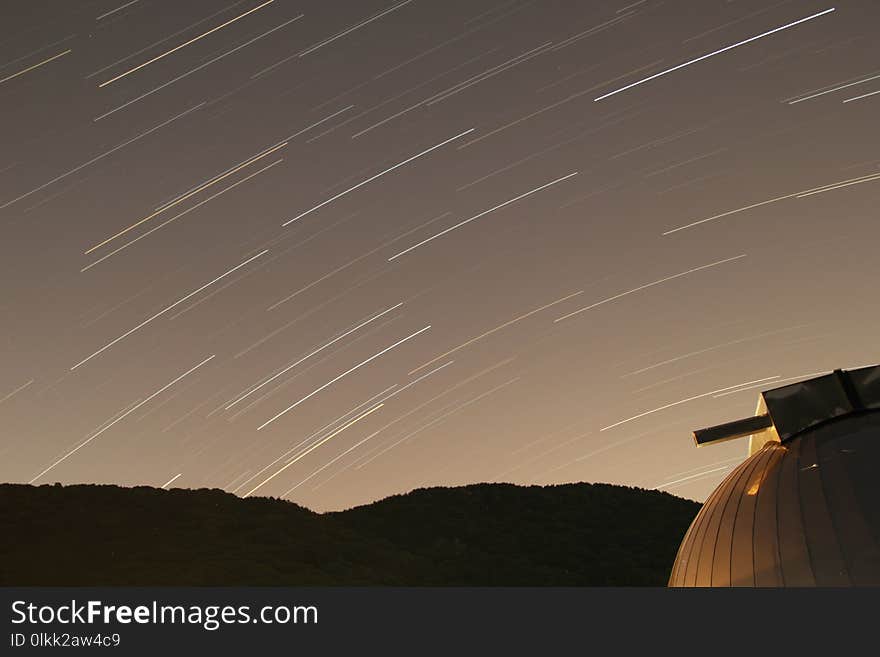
(483, 534)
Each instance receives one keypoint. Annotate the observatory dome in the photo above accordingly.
(804, 508)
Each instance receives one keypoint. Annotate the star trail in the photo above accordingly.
(333, 251)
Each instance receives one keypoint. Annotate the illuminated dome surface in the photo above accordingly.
(800, 511)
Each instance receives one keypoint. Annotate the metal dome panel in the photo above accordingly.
(804, 512)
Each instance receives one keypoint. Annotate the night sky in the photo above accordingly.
(332, 251)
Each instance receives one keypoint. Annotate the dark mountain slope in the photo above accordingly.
(502, 534)
(484, 534)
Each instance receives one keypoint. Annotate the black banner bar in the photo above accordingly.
(451, 621)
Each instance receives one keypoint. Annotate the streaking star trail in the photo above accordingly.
(424, 243)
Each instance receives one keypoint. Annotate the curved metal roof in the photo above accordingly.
(803, 510)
